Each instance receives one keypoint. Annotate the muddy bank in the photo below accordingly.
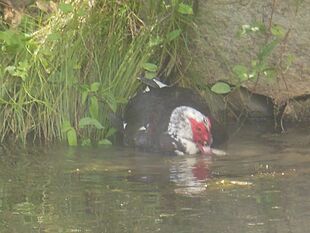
(243, 105)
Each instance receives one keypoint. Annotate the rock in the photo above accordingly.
(253, 106)
(297, 110)
(218, 49)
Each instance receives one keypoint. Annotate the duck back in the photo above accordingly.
(147, 116)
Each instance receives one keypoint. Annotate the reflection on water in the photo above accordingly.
(190, 174)
(262, 185)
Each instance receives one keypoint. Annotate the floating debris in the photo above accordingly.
(166, 215)
(235, 182)
(242, 183)
(218, 152)
(227, 184)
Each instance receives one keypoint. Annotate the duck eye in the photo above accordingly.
(206, 122)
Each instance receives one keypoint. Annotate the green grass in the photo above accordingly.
(63, 73)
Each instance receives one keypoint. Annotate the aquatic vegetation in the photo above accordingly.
(64, 72)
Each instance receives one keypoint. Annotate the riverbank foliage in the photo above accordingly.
(65, 69)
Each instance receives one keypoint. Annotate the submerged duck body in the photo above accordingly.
(168, 119)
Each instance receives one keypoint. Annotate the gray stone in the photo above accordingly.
(218, 50)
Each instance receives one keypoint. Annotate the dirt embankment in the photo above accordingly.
(219, 50)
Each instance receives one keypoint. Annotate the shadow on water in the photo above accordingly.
(262, 185)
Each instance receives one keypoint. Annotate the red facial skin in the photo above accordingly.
(202, 134)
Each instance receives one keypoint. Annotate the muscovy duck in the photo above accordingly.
(170, 119)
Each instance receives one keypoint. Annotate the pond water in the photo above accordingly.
(262, 185)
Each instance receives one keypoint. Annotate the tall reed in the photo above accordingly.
(61, 75)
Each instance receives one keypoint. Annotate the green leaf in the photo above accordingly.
(13, 40)
(110, 132)
(150, 75)
(66, 8)
(2, 71)
(94, 86)
(267, 49)
(105, 142)
(221, 88)
(84, 96)
(278, 31)
(81, 12)
(270, 73)
(86, 142)
(53, 36)
(25, 208)
(150, 67)
(154, 41)
(289, 60)
(87, 121)
(84, 89)
(72, 138)
(70, 132)
(10, 69)
(94, 107)
(20, 71)
(255, 27)
(66, 126)
(241, 72)
(185, 9)
(111, 101)
(173, 35)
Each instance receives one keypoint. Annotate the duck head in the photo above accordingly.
(191, 130)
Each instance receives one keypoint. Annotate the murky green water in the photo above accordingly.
(263, 185)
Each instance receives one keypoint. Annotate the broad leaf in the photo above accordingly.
(270, 73)
(86, 142)
(278, 31)
(241, 72)
(105, 142)
(221, 88)
(65, 8)
(150, 67)
(110, 132)
(72, 138)
(185, 9)
(173, 35)
(150, 75)
(94, 86)
(66, 126)
(267, 49)
(84, 96)
(111, 101)
(54, 36)
(94, 107)
(154, 41)
(87, 121)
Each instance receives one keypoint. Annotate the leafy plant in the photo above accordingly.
(63, 73)
(260, 66)
(221, 88)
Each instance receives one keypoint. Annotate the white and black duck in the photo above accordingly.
(170, 119)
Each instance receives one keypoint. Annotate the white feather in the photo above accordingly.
(159, 83)
(179, 152)
(147, 89)
(142, 128)
(180, 128)
(189, 146)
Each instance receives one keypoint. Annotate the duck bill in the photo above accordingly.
(205, 149)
